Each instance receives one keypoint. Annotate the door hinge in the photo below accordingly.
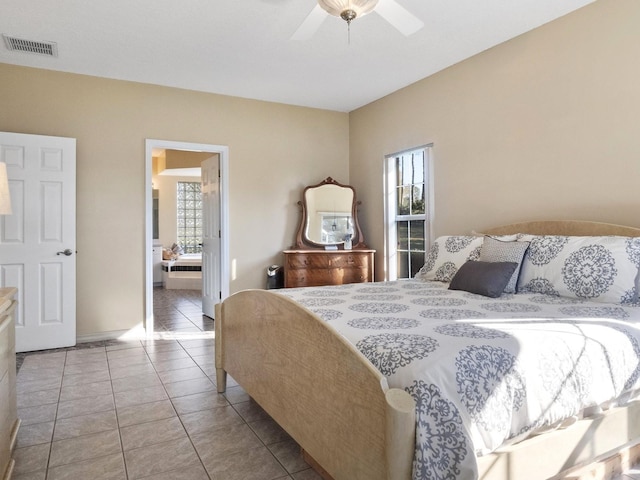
(220, 293)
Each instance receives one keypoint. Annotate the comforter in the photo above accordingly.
(484, 372)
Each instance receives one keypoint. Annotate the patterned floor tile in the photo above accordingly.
(148, 409)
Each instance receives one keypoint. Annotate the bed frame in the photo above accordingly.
(324, 393)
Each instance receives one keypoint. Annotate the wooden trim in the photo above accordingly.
(608, 466)
(9, 471)
(564, 227)
(557, 452)
(14, 434)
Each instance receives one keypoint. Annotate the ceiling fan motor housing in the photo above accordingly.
(348, 15)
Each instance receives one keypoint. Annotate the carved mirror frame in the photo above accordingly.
(302, 242)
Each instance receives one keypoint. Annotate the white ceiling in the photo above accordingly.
(243, 48)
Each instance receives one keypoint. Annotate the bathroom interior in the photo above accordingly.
(177, 257)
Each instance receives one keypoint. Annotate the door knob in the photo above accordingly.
(66, 252)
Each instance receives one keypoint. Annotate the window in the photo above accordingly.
(408, 200)
(189, 217)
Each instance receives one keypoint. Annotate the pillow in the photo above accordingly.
(496, 250)
(447, 254)
(601, 269)
(483, 278)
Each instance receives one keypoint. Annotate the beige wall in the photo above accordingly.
(545, 126)
(275, 150)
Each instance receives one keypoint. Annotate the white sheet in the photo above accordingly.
(483, 371)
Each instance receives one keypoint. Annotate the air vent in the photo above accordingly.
(49, 49)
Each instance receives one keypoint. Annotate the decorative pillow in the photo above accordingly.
(497, 250)
(447, 254)
(483, 278)
(602, 269)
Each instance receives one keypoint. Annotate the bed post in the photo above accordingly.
(221, 374)
(400, 435)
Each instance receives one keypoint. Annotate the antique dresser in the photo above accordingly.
(329, 247)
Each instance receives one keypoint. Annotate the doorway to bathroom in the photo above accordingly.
(213, 178)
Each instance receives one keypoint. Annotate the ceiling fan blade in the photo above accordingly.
(311, 24)
(398, 16)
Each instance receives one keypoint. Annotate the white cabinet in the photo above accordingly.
(157, 265)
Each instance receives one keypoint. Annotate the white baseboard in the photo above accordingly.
(137, 333)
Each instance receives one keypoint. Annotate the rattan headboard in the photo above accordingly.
(564, 227)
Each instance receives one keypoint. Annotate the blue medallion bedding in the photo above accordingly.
(485, 371)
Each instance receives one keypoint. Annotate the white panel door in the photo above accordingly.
(38, 241)
(210, 235)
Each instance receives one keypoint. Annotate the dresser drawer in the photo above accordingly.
(355, 275)
(304, 260)
(324, 260)
(303, 278)
(329, 276)
(352, 260)
(309, 268)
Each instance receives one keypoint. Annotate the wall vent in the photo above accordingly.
(49, 49)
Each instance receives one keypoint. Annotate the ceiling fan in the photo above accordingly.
(349, 10)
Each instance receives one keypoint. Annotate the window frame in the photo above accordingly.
(390, 207)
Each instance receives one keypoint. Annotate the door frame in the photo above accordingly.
(223, 152)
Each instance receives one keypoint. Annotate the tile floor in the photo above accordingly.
(149, 410)
(146, 410)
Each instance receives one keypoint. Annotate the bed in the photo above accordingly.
(340, 369)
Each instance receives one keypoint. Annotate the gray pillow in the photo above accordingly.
(483, 278)
(494, 250)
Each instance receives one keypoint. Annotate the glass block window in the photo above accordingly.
(189, 216)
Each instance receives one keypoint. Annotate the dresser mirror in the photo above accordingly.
(329, 214)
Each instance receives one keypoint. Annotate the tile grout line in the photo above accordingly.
(115, 411)
(55, 418)
(177, 414)
(204, 351)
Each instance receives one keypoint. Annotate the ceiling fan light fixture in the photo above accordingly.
(348, 10)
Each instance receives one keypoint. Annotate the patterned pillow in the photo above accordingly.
(602, 269)
(447, 254)
(497, 250)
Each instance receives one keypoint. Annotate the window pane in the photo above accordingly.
(407, 170)
(404, 201)
(417, 167)
(416, 240)
(417, 261)
(403, 265)
(417, 199)
(403, 235)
